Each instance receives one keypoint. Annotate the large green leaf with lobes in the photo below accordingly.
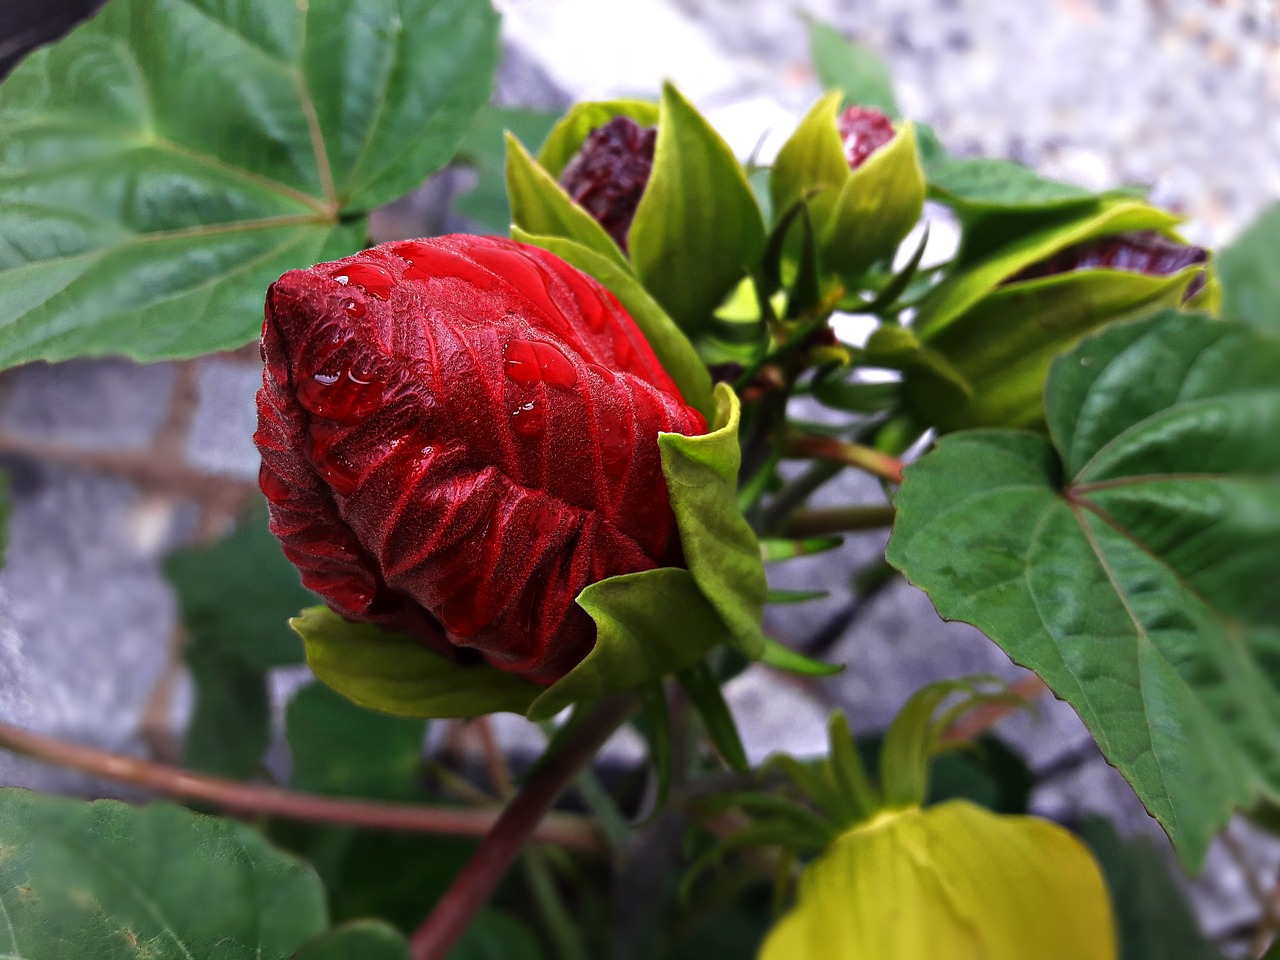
(1131, 558)
(162, 164)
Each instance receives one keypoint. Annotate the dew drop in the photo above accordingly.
(459, 616)
(344, 395)
(604, 373)
(372, 279)
(530, 361)
(273, 487)
(528, 419)
(354, 308)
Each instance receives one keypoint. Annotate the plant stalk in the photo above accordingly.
(856, 455)
(819, 521)
(254, 799)
(515, 826)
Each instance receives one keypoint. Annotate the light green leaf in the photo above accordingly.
(648, 624)
(876, 208)
(1003, 345)
(344, 749)
(361, 940)
(773, 549)
(540, 206)
(702, 687)
(164, 162)
(898, 348)
(812, 159)
(1008, 245)
(567, 136)
(1249, 270)
(394, 673)
(981, 186)
(109, 881)
(698, 230)
(782, 657)
(851, 67)
(719, 547)
(1130, 559)
(670, 345)
(485, 151)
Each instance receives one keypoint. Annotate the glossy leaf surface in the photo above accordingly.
(167, 160)
(114, 882)
(1129, 560)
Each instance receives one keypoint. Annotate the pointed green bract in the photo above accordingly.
(782, 657)
(567, 136)
(539, 206)
(166, 161)
(812, 159)
(396, 674)
(698, 229)
(670, 345)
(109, 881)
(1130, 560)
(720, 549)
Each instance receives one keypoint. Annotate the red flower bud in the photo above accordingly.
(863, 131)
(607, 176)
(458, 435)
(1142, 252)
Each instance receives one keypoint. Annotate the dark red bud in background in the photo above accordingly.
(1142, 252)
(458, 435)
(607, 176)
(863, 131)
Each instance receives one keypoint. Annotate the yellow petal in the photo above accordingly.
(953, 882)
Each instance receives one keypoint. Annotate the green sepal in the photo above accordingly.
(656, 731)
(670, 345)
(720, 548)
(703, 689)
(782, 657)
(795, 596)
(773, 549)
(569, 133)
(697, 230)
(648, 624)
(1010, 244)
(394, 673)
(1004, 345)
(540, 206)
(812, 159)
(876, 208)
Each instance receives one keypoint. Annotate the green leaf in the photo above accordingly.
(394, 673)
(1010, 244)
(362, 940)
(795, 596)
(109, 881)
(567, 136)
(812, 159)
(235, 598)
(1003, 346)
(344, 749)
(851, 67)
(898, 348)
(166, 161)
(876, 208)
(654, 725)
(1153, 917)
(782, 657)
(540, 206)
(1249, 270)
(648, 624)
(719, 547)
(495, 935)
(774, 549)
(703, 689)
(670, 345)
(987, 185)
(698, 229)
(485, 151)
(1130, 559)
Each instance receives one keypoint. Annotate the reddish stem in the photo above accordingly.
(856, 455)
(248, 798)
(516, 825)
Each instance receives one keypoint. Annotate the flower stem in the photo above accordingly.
(515, 826)
(856, 455)
(248, 798)
(819, 521)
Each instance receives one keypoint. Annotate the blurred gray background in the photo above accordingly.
(113, 465)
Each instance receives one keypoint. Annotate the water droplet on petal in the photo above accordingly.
(371, 278)
(604, 373)
(343, 395)
(529, 361)
(354, 308)
(273, 487)
(528, 419)
(459, 616)
(341, 477)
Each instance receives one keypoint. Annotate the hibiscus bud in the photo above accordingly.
(1139, 251)
(460, 434)
(607, 176)
(863, 131)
